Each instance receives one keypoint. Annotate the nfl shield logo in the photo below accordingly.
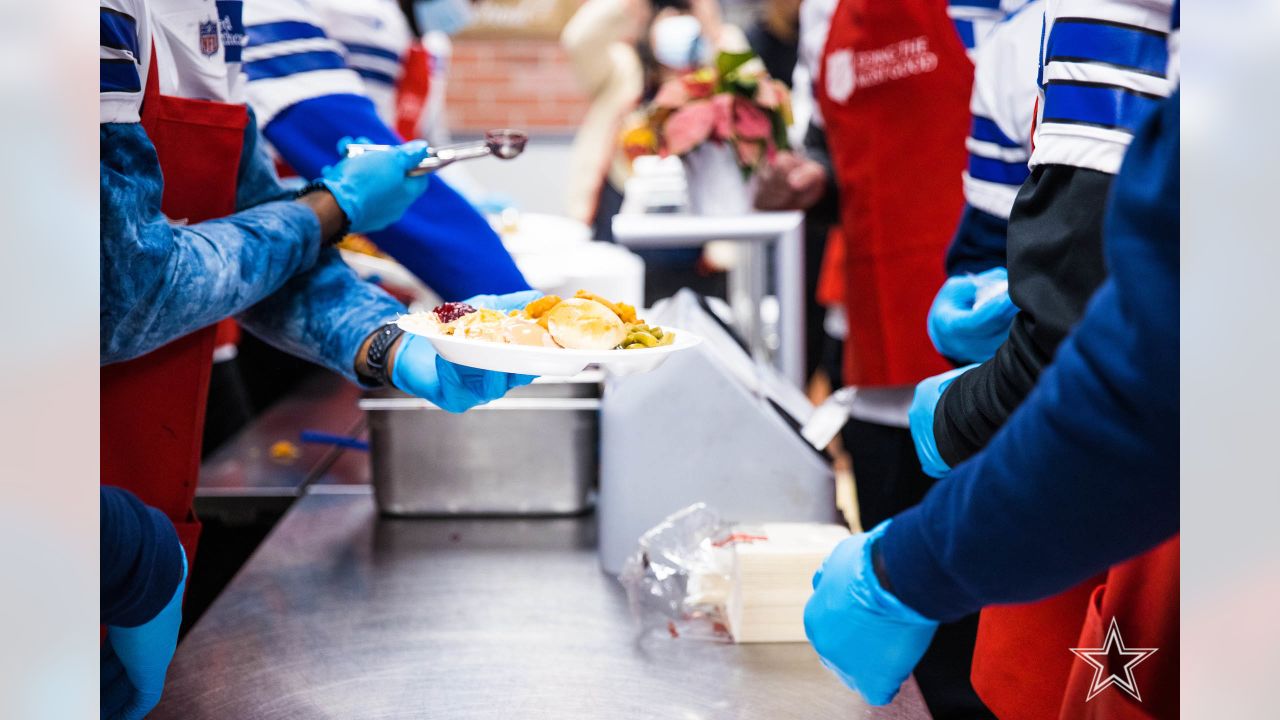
(208, 38)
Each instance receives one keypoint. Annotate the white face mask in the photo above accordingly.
(446, 16)
(677, 42)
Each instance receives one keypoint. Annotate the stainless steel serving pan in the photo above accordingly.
(534, 452)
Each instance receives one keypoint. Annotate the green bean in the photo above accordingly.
(642, 337)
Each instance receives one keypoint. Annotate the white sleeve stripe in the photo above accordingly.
(290, 47)
(973, 12)
(124, 59)
(1107, 75)
(1133, 15)
(990, 197)
(110, 53)
(377, 64)
(1080, 146)
(995, 152)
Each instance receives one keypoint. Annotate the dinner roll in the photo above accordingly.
(582, 324)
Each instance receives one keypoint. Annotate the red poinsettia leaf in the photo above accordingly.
(750, 121)
(722, 117)
(689, 127)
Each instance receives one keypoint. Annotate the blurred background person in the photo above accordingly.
(896, 175)
(621, 51)
(775, 37)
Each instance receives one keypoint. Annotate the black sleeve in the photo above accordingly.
(140, 557)
(1055, 266)
(815, 148)
(777, 54)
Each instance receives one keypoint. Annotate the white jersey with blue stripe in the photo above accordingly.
(304, 49)
(975, 19)
(1003, 108)
(375, 37)
(1103, 69)
(198, 47)
(124, 58)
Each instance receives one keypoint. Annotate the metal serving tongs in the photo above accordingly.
(503, 144)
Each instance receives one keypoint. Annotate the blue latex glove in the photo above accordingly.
(964, 328)
(505, 303)
(923, 405)
(135, 660)
(419, 370)
(372, 188)
(863, 634)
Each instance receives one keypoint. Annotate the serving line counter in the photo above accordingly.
(243, 477)
(342, 613)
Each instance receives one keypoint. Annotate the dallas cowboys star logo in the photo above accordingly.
(1099, 658)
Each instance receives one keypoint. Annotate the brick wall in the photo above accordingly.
(525, 84)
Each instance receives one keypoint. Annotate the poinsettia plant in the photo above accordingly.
(734, 102)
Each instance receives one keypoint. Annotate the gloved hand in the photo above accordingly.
(135, 660)
(505, 303)
(923, 405)
(372, 188)
(862, 633)
(419, 370)
(967, 325)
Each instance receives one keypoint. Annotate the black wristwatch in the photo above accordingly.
(377, 358)
(317, 186)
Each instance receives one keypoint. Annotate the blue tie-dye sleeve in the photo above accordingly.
(323, 315)
(258, 182)
(160, 281)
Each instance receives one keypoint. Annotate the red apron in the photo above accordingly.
(1023, 667)
(894, 88)
(831, 285)
(152, 410)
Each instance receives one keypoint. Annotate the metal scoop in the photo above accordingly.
(503, 144)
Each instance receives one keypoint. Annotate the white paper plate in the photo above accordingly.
(545, 361)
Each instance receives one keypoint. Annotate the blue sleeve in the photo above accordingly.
(258, 182)
(1085, 473)
(141, 560)
(442, 239)
(160, 281)
(323, 315)
(979, 242)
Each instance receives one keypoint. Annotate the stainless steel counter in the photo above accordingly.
(343, 614)
(242, 477)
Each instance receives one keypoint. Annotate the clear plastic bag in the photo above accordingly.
(678, 579)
